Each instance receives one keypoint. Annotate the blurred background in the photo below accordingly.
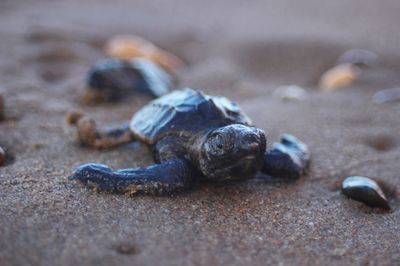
(244, 50)
(267, 42)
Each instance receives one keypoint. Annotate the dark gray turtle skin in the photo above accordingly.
(193, 137)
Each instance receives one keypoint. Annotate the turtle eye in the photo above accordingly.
(219, 142)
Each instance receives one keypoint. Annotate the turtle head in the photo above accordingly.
(232, 152)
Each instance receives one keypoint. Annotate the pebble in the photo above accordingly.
(290, 93)
(338, 77)
(366, 190)
(359, 57)
(2, 107)
(2, 157)
(387, 95)
(127, 47)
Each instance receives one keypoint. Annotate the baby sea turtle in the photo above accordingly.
(112, 79)
(193, 136)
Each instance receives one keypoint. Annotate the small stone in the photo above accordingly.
(387, 95)
(127, 249)
(338, 77)
(127, 47)
(365, 190)
(2, 107)
(359, 57)
(73, 117)
(2, 157)
(290, 93)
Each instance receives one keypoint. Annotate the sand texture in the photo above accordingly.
(242, 50)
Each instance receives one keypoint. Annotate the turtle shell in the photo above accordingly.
(184, 113)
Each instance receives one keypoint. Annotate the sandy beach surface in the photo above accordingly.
(242, 50)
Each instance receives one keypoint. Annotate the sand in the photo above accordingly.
(242, 50)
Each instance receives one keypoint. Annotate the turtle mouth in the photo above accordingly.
(246, 166)
(248, 158)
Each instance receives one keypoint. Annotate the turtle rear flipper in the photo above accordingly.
(88, 134)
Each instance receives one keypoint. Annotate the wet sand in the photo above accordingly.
(236, 49)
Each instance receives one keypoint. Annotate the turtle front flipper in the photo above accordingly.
(288, 159)
(162, 178)
(88, 134)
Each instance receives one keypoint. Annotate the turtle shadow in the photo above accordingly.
(246, 187)
(216, 188)
(380, 142)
